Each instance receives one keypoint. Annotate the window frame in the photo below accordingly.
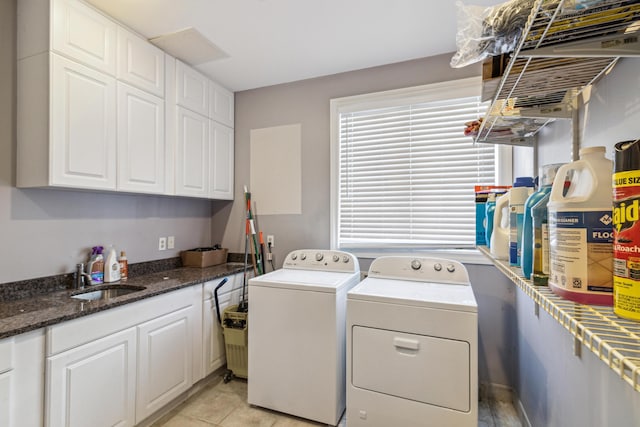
(425, 93)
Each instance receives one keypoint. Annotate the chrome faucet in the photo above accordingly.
(81, 278)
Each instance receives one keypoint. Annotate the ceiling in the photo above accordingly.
(269, 42)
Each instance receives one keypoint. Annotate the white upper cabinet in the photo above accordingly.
(83, 34)
(140, 63)
(141, 142)
(221, 164)
(101, 108)
(192, 154)
(221, 104)
(192, 89)
(83, 124)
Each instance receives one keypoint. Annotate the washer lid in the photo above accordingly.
(420, 294)
(304, 280)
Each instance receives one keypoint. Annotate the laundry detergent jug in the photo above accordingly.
(499, 245)
(581, 229)
(546, 177)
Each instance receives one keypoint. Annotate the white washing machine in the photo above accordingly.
(297, 343)
(412, 349)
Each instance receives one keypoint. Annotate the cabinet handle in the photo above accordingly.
(404, 343)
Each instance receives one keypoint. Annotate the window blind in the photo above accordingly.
(407, 175)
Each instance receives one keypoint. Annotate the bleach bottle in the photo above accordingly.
(581, 230)
(522, 188)
(499, 245)
(547, 175)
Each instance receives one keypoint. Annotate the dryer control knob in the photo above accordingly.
(345, 258)
(294, 256)
(303, 257)
(415, 264)
(335, 258)
(319, 256)
(437, 267)
(451, 268)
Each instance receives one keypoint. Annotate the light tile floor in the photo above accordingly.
(225, 405)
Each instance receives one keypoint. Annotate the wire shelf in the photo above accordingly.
(616, 341)
(562, 51)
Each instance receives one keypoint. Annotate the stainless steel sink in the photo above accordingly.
(105, 292)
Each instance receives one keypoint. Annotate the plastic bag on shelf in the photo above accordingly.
(488, 31)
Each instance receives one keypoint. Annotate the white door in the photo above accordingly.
(82, 33)
(221, 164)
(165, 348)
(192, 89)
(140, 63)
(192, 154)
(93, 384)
(221, 104)
(83, 123)
(141, 141)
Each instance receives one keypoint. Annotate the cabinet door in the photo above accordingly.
(140, 63)
(5, 398)
(192, 154)
(141, 142)
(83, 122)
(221, 163)
(213, 343)
(165, 360)
(82, 33)
(93, 384)
(221, 104)
(192, 90)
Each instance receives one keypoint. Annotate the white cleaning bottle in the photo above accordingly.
(111, 266)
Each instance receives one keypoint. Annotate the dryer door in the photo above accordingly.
(422, 368)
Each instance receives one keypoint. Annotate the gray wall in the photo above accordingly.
(555, 387)
(46, 232)
(307, 102)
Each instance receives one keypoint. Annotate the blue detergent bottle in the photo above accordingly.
(522, 188)
(547, 175)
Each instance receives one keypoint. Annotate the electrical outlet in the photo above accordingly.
(270, 240)
(162, 244)
(171, 242)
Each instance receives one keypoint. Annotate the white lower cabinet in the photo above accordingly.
(22, 380)
(5, 397)
(214, 354)
(94, 384)
(213, 341)
(165, 356)
(118, 366)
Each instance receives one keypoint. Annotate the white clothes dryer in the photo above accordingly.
(297, 337)
(412, 345)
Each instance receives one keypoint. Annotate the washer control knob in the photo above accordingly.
(451, 268)
(415, 264)
(345, 258)
(335, 258)
(319, 256)
(303, 256)
(437, 266)
(294, 256)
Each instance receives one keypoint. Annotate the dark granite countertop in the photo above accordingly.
(25, 314)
